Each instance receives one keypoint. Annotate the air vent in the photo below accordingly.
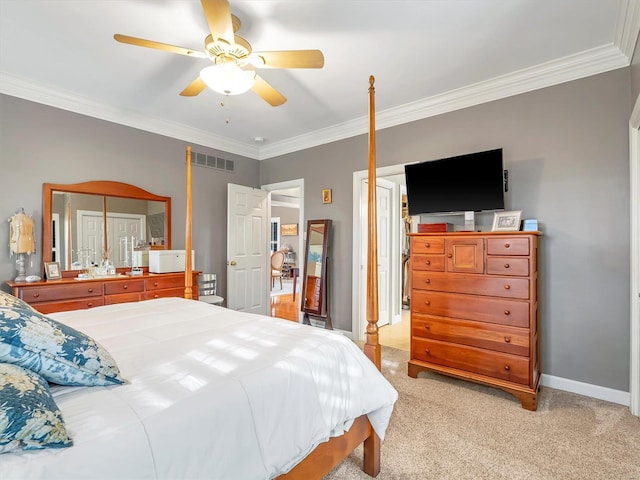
(209, 161)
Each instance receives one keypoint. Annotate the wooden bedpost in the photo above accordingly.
(188, 268)
(371, 462)
(372, 346)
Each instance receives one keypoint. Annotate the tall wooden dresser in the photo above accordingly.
(474, 309)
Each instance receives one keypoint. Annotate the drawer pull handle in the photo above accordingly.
(507, 339)
(427, 245)
(450, 255)
(507, 368)
(507, 312)
(155, 284)
(427, 327)
(506, 265)
(428, 262)
(427, 302)
(156, 296)
(36, 295)
(125, 286)
(427, 280)
(507, 287)
(90, 290)
(426, 350)
(506, 245)
(90, 304)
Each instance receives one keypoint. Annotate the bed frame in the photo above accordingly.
(329, 454)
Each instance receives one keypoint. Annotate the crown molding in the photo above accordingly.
(572, 67)
(28, 90)
(627, 27)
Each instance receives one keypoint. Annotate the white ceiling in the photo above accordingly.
(428, 57)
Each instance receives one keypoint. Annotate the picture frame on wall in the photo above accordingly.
(289, 229)
(326, 195)
(506, 221)
(52, 270)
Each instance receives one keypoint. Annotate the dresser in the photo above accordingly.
(474, 309)
(70, 294)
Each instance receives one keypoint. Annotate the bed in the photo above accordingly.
(185, 389)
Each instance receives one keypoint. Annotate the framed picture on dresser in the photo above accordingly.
(506, 221)
(52, 270)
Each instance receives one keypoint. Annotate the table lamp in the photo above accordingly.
(21, 241)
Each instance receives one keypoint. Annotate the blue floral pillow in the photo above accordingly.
(8, 300)
(29, 417)
(59, 353)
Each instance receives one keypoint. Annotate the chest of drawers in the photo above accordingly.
(69, 294)
(474, 309)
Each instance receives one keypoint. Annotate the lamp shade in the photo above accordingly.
(227, 78)
(21, 238)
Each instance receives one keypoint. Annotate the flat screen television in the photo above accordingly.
(472, 182)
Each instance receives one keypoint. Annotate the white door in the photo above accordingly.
(383, 202)
(247, 249)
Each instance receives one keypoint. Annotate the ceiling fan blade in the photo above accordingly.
(141, 42)
(194, 88)
(267, 92)
(218, 15)
(290, 59)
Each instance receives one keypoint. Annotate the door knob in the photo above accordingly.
(232, 263)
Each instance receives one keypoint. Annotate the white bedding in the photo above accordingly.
(210, 393)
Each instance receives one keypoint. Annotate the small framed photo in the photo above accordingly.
(506, 221)
(52, 270)
(289, 229)
(326, 195)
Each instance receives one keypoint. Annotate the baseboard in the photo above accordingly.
(587, 389)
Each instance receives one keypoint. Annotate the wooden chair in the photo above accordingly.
(277, 262)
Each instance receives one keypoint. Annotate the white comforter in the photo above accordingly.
(211, 393)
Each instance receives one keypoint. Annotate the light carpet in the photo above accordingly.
(444, 428)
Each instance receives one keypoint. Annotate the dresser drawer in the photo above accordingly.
(125, 286)
(63, 306)
(427, 245)
(508, 287)
(169, 292)
(483, 309)
(158, 283)
(61, 292)
(508, 266)
(123, 297)
(430, 262)
(475, 334)
(508, 246)
(511, 368)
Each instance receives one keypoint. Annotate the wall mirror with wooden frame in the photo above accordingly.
(92, 219)
(315, 280)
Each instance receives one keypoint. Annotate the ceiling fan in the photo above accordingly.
(234, 62)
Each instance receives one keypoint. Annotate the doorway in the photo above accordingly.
(287, 236)
(393, 178)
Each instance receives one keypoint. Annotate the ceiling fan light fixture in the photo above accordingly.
(227, 78)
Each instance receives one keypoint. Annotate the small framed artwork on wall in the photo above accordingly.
(506, 221)
(326, 195)
(289, 229)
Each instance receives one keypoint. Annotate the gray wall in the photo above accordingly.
(566, 148)
(40, 144)
(289, 216)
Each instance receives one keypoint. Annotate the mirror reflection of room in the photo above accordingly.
(78, 228)
(315, 286)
